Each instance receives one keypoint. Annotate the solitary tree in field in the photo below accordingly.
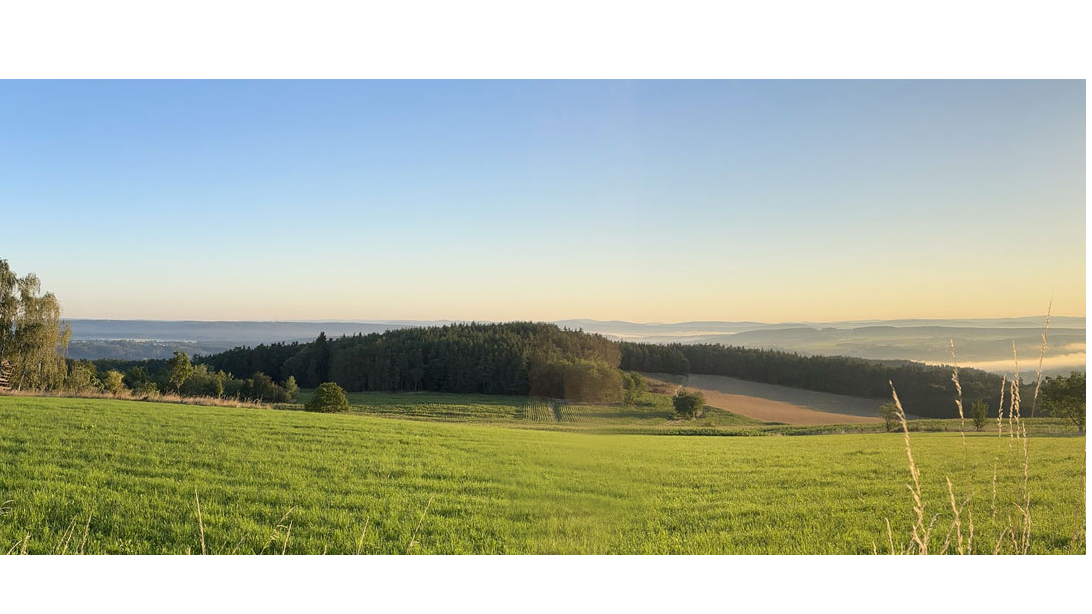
(329, 397)
(181, 369)
(978, 414)
(1064, 397)
(689, 404)
(890, 415)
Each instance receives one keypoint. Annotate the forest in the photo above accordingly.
(512, 358)
(924, 390)
(515, 358)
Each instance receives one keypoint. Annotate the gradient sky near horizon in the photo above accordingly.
(641, 201)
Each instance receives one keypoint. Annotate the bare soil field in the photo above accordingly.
(770, 403)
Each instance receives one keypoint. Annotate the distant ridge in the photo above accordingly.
(985, 343)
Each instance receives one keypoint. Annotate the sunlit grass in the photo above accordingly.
(134, 469)
(651, 410)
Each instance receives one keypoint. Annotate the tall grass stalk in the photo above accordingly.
(86, 530)
(957, 522)
(1079, 527)
(1016, 526)
(277, 532)
(21, 545)
(413, 539)
(1042, 352)
(200, 523)
(1022, 526)
(920, 533)
(997, 458)
(360, 542)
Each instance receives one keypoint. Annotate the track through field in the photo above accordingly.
(780, 404)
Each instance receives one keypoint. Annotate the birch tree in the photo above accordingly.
(32, 337)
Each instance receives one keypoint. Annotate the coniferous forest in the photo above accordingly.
(924, 390)
(516, 358)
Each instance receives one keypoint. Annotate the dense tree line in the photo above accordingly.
(177, 375)
(264, 358)
(653, 358)
(924, 390)
(511, 358)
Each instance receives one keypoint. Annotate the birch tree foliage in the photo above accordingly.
(32, 337)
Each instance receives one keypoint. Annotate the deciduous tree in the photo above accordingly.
(689, 404)
(1064, 397)
(180, 370)
(890, 414)
(978, 414)
(32, 337)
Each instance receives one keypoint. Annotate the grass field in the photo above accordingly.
(653, 414)
(107, 476)
(653, 410)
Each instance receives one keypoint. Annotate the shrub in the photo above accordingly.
(113, 382)
(261, 387)
(233, 388)
(689, 404)
(203, 383)
(82, 377)
(329, 397)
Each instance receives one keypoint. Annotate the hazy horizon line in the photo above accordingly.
(488, 321)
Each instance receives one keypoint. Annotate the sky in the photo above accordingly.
(647, 201)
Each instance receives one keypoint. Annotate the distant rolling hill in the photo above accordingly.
(139, 339)
(981, 343)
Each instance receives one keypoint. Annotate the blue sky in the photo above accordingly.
(646, 201)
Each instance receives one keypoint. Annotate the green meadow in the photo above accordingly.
(652, 410)
(105, 476)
